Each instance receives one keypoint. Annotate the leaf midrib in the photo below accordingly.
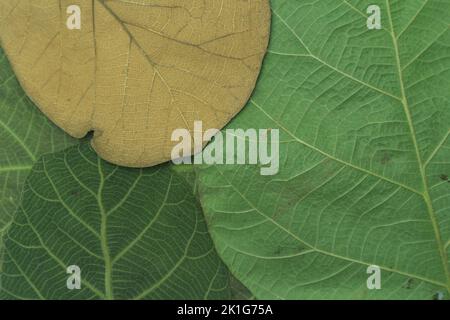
(104, 235)
(426, 193)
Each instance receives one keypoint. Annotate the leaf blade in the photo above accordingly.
(353, 189)
(25, 135)
(146, 242)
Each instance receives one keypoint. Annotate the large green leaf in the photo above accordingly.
(364, 117)
(135, 234)
(25, 134)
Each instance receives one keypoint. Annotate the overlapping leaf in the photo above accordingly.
(25, 134)
(134, 71)
(135, 234)
(365, 156)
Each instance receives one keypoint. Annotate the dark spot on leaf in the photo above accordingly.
(75, 193)
(444, 177)
(386, 158)
(409, 284)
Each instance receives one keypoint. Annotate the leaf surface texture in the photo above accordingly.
(137, 70)
(135, 234)
(365, 156)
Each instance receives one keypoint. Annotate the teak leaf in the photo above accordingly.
(133, 234)
(136, 70)
(364, 117)
(25, 134)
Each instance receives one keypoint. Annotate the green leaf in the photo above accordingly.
(364, 120)
(135, 234)
(25, 134)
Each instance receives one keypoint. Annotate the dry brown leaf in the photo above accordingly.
(137, 69)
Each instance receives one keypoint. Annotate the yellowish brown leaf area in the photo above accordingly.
(137, 69)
